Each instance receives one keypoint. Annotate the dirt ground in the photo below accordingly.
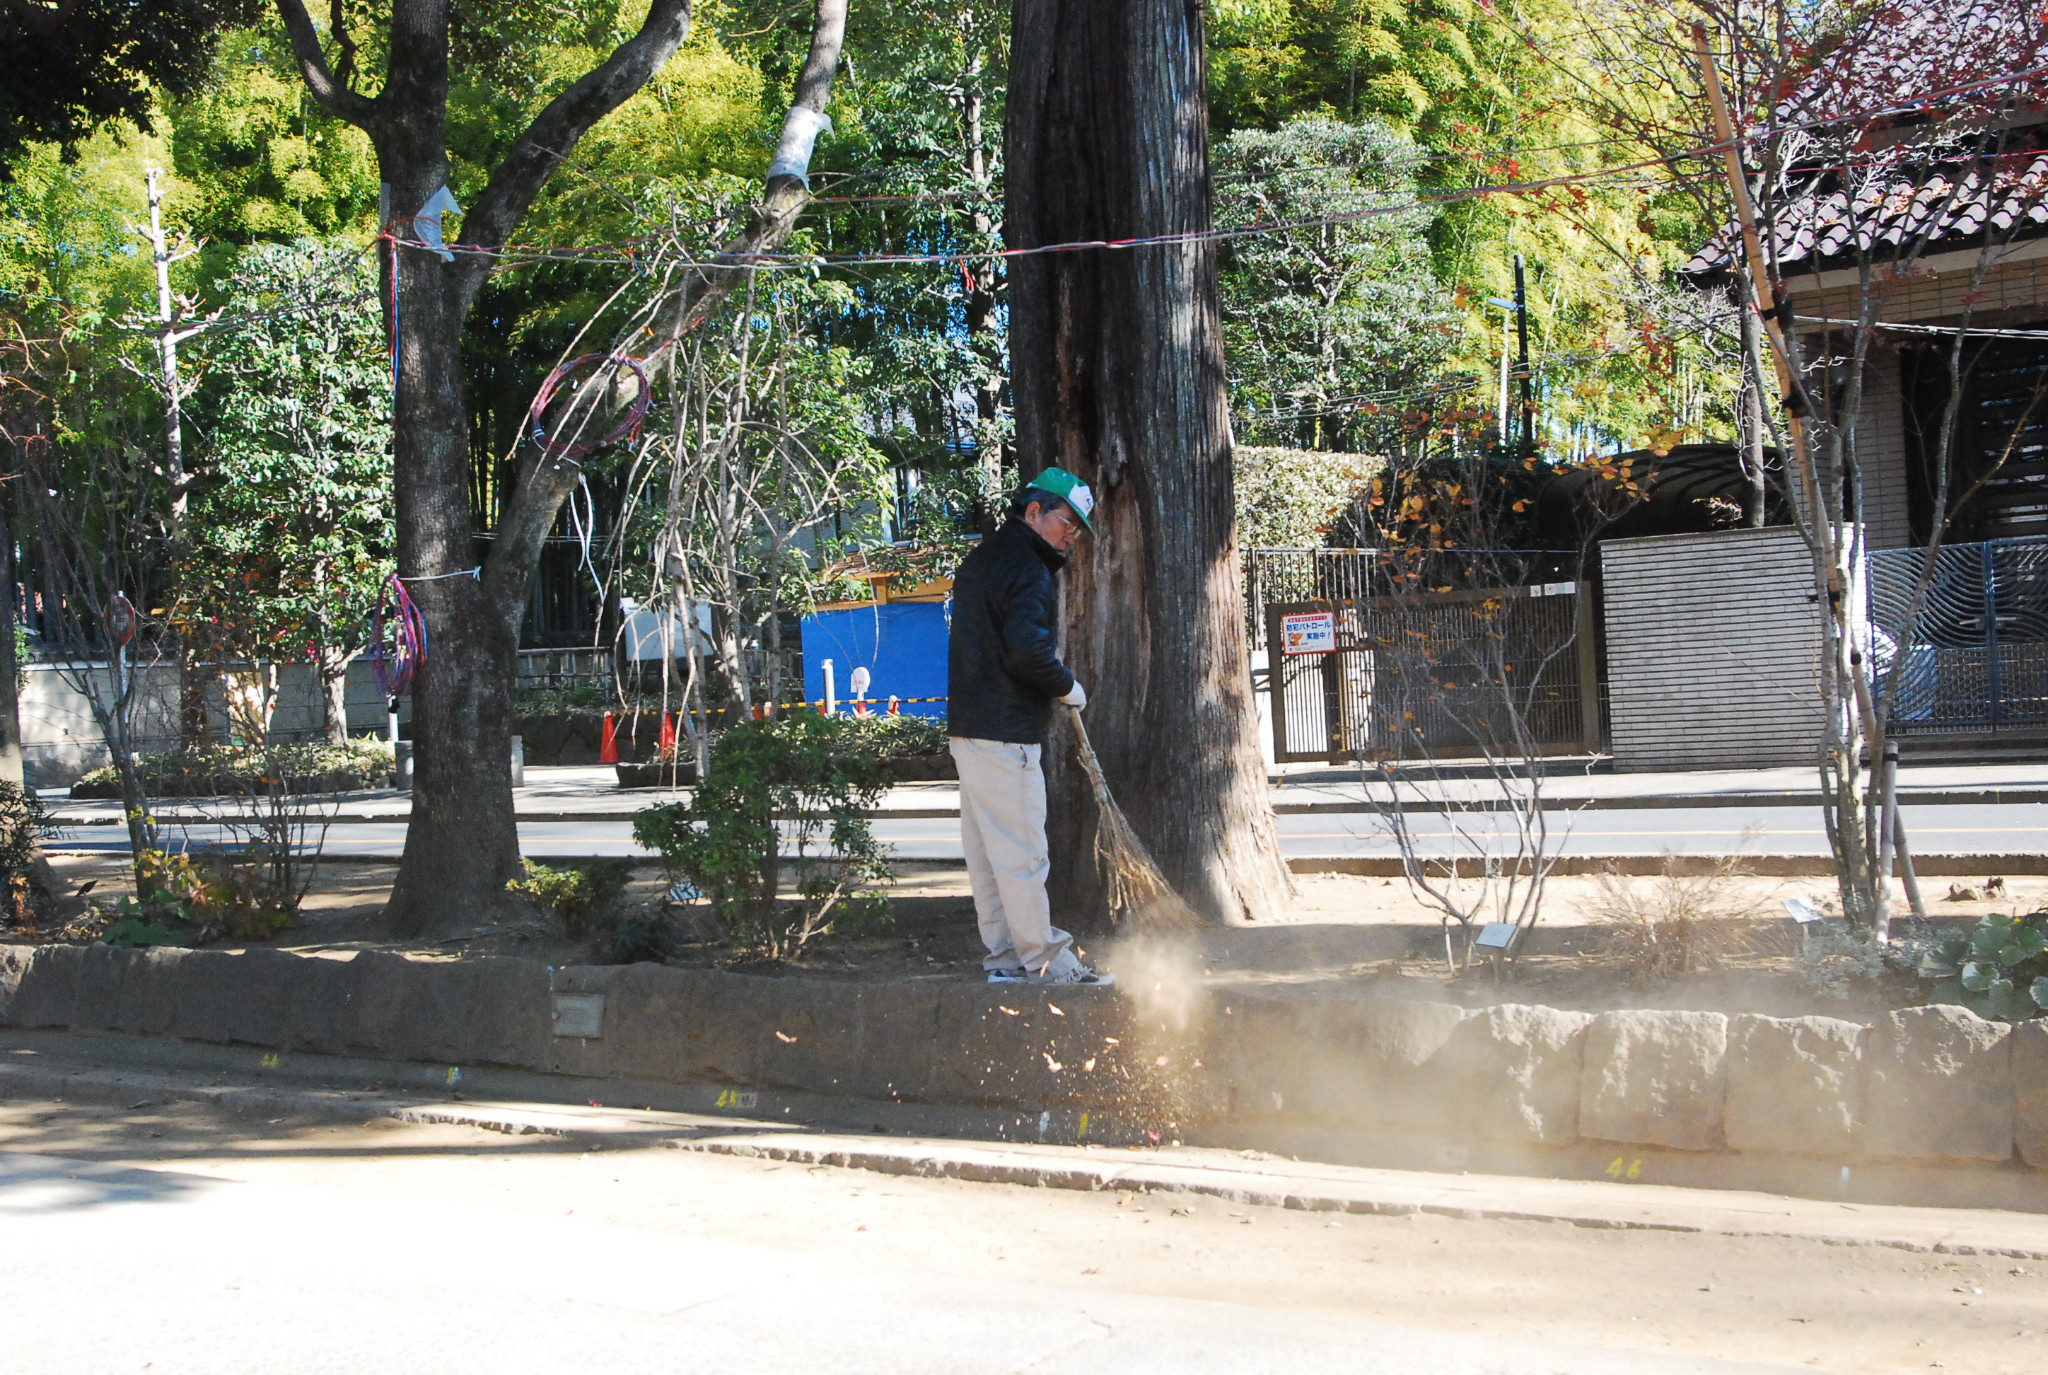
(1792, 1303)
(1341, 927)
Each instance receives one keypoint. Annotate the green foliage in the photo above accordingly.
(1998, 969)
(23, 826)
(258, 158)
(361, 763)
(809, 772)
(72, 69)
(291, 526)
(1289, 498)
(1335, 332)
(896, 737)
(585, 897)
(190, 899)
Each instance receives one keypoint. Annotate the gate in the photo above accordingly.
(1978, 661)
(1492, 673)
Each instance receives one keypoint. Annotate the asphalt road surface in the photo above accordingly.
(172, 1238)
(1956, 829)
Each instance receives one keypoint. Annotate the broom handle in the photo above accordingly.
(1087, 751)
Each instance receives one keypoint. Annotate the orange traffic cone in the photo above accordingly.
(895, 707)
(668, 733)
(608, 741)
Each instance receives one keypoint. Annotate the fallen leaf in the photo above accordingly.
(1052, 1064)
(1009, 1011)
(786, 1040)
(1054, 1009)
(1088, 1065)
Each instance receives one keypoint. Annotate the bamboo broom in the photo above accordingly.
(1139, 896)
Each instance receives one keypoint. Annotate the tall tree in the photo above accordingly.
(462, 846)
(1117, 369)
(75, 65)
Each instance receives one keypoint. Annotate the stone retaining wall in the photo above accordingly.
(1933, 1084)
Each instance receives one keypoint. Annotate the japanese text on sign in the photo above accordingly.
(1308, 632)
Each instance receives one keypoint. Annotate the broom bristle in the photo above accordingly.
(1139, 895)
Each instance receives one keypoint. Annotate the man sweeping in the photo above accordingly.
(1004, 674)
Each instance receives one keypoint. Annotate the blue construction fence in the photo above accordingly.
(902, 645)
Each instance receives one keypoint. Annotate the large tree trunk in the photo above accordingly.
(1117, 371)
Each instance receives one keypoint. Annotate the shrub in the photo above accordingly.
(898, 737)
(813, 773)
(1998, 969)
(229, 769)
(193, 898)
(585, 897)
(23, 825)
(1677, 923)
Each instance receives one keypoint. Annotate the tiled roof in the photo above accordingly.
(1836, 215)
(1873, 104)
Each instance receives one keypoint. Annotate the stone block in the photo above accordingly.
(384, 999)
(1390, 1047)
(260, 1010)
(577, 1055)
(1937, 1085)
(1004, 1045)
(1794, 1084)
(48, 987)
(322, 999)
(148, 1003)
(13, 960)
(206, 995)
(1655, 1079)
(96, 1005)
(2030, 1092)
(1515, 1072)
(499, 1010)
(655, 1019)
(845, 1038)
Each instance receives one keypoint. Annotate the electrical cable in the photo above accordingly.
(627, 427)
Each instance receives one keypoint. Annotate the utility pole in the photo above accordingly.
(1528, 397)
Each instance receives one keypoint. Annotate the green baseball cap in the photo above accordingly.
(1068, 488)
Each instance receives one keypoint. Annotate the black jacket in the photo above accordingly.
(1003, 669)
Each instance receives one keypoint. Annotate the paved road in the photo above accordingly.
(169, 1271)
(1961, 829)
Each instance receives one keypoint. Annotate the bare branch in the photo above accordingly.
(329, 94)
(570, 115)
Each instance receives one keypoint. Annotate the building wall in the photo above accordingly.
(1712, 650)
(60, 740)
(1938, 292)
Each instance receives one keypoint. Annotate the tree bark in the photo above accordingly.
(462, 845)
(1118, 375)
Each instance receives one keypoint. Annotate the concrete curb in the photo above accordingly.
(1241, 1178)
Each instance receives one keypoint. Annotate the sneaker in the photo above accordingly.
(1008, 976)
(1080, 976)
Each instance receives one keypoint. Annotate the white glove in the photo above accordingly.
(1077, 696)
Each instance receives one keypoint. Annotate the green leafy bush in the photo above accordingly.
(193, 898)
(820, 777)
(364, 763)
(897, 737)
(585, 896)
(23, 825)
(1998, 969)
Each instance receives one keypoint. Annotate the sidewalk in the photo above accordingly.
(1252, 1177)
(582, 794)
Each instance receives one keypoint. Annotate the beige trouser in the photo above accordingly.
(1002, 829)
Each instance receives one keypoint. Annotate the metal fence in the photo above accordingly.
(1977, 660)
(1276, 576)
(1498, 672)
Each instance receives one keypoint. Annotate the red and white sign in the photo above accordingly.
(1308, 632)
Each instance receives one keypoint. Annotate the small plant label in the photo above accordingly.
(1803, 912)
(579, 1014)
